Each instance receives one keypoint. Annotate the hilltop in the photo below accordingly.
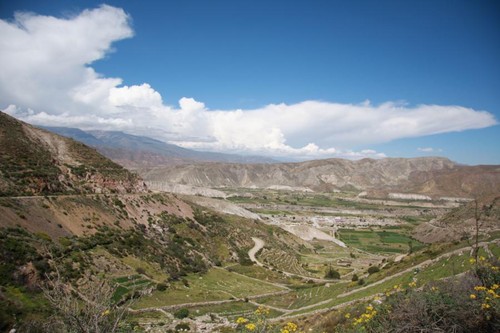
(37, 162)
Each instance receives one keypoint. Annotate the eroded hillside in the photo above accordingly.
(430, 176)
(37, 162)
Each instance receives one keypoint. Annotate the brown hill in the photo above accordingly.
(34, 161)
(461, 222)
(432, 176)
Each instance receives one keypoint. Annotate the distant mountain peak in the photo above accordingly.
(134, 151)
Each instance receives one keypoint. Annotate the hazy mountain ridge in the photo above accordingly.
(433, 176)
(134, 151)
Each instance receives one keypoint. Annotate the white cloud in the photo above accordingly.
(142, 96)
(429, 149)
(46, 78)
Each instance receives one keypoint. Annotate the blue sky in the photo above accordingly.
(313, 79)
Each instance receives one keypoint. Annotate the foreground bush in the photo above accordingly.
(469, 303)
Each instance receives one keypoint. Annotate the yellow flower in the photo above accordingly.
(347, 316)
(291, 327)
(472, 296)
(284, 330)
(241, 321)
(472, 260)
(479, 288)
(105, 313)
(481, 258)
(262, 311)
(412, 284)
(369, 308)
(434, 288)
(250, 327)
(495, 286)
(485, 306)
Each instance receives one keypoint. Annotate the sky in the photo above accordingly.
(293, 80)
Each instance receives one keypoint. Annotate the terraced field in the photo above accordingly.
(283, 261)
(217, 285)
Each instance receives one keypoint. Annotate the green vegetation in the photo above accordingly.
(380, 241)
(218, 284)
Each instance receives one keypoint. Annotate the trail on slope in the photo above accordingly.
(259, 244)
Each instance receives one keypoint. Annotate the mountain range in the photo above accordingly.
(163, 165)
(134, 151)
(426, 176)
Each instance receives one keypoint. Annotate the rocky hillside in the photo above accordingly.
(431, 176)
(462, 221)
(37, 162)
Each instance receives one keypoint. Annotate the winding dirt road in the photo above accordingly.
(259, 244)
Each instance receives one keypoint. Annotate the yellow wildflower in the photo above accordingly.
(369, 308)
(291, 327)
(481, 258)
(284, 330)
(105, 313)
(347, 316)
(241, 321)
(472, 260)
(479, 288)
(262, 311)
(412, 284)
(472, 296)
(495, 286)
(485, 306)
(250, 327)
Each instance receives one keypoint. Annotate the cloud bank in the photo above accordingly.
(46, 78)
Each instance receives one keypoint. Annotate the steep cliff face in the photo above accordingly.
(430, 176)
(34, 161)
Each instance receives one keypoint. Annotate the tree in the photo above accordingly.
(332, 274)
(90, 309)
(479, 212)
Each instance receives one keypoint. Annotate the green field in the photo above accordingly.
(218, 284)
(379, 241)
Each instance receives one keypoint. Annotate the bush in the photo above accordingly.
(373, 269)
(181, 313)
(354, 278)
(469, 303)
(332, 274)
(161, 286)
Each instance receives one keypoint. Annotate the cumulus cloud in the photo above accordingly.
(46, 78)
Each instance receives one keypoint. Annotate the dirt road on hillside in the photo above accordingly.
(259, 244)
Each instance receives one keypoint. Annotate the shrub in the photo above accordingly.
(161, 286)
(373, 269)
(354, 278)
(332, 274)
(181, 313)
